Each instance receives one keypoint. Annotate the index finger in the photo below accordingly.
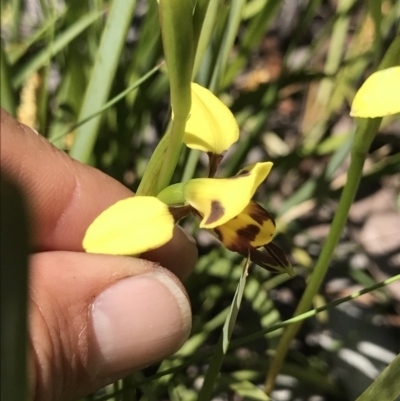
(65, 196)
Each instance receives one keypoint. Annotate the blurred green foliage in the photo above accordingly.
(288, 71)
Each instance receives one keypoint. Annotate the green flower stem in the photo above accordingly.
(191, 164)
(363, 138)
(177, 36)
(172, 153)
(148, 184)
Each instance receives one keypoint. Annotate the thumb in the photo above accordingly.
(96, 318)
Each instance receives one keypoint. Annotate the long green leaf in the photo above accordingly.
(7, 94)
(386, 386)
(112, 42)
(16, 51)
(53, 48)
(235, 15)
(14, 285)
(223, 343)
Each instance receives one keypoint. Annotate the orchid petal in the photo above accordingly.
(379, 95)
(211, 126)
(219, 200)
(252, 228)
(130, 227)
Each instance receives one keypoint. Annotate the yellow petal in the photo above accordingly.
(129, 227)
(379, 95)
(221, 199)
(252, 228)
(211, 126)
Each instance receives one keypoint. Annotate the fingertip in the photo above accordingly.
(139, 320)
(96, 318)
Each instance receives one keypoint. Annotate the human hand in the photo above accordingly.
(92, 318)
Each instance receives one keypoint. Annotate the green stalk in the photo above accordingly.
(177, 36)
(102, 77)
(231, 29)
(365, 134)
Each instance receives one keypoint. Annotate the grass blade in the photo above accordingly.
(386, 386)
(59, 43)
(107, 58)
(223, 343)
(7, 93)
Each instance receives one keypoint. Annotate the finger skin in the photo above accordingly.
(67, 359)
(65, 196)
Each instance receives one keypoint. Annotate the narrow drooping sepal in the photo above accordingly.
(219, 200)
(130, 227)
(211, 126)
(252, 228)
(272, 258)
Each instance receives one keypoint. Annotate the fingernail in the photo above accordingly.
(140, 320)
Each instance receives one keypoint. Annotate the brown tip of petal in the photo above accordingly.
(272, 258)
(217, 211)
(259, 214)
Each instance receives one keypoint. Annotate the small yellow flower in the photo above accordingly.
(130, 227)
(211, 126)
(242, 225)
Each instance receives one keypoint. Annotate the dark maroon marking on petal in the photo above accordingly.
(249, 232)
(217, 211)
(236, 245)
(259, 214)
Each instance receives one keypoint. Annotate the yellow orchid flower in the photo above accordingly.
(130, 227)
(242, 225)
(141, 223)
(211, 126)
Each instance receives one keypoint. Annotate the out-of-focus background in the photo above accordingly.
(288, 70)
